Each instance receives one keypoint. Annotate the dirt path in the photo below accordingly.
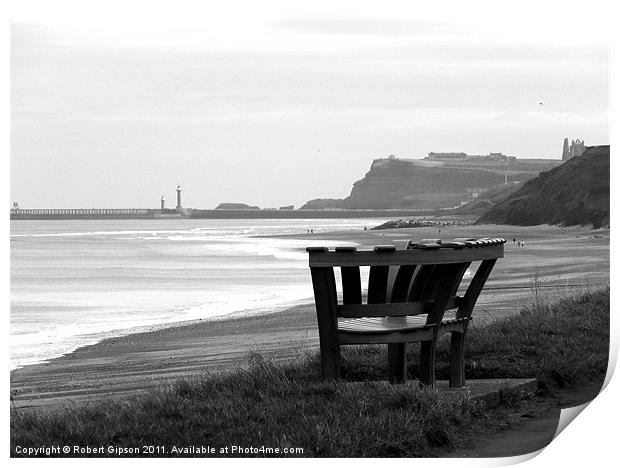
(531, 430)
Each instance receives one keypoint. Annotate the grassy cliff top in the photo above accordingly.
(575, 193)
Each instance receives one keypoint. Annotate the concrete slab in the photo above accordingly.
(488, 391)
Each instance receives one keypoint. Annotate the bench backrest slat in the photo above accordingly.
(351, 285)
(405, 257)
(397, 309)
(422, 278)
(378, 284)
(474, 289)
(402, 283)
(444, 282)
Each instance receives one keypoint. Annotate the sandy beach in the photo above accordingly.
(563, 260)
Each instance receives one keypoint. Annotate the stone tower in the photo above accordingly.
(565, 151)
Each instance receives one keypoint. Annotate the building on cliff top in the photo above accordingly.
(467, 157)
(444, 156)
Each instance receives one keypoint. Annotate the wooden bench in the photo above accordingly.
(409, 292)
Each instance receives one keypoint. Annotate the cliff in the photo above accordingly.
(575, 193)
(393, 183)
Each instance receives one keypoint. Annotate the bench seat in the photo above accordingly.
(377, 325)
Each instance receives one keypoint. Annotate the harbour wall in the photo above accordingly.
(148, 213)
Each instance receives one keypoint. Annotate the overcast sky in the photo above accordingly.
(275, 105)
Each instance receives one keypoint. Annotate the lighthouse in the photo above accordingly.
(179, 207)
(163, 202)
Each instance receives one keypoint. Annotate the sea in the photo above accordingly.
(77, 282)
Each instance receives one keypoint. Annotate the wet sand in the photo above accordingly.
(561, 260)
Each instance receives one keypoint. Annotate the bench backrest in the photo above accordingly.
(412, 281)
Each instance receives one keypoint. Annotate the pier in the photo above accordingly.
(93, 213)
(168, 213)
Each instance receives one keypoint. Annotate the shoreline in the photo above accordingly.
(137, 330)
(137, 361)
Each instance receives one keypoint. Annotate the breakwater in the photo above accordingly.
(93, 213)
(148, 213)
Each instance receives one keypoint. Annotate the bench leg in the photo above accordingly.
(325, 299)
(457, 359)
(397, 361)
(427, 363)
(330, 361)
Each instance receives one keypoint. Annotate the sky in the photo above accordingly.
(275, 103)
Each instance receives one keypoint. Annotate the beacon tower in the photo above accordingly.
(179, 206)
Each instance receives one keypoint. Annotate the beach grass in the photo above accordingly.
(269, 406)
(560, 341)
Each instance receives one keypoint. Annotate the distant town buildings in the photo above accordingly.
(469, 157)
(473, 193)
(576, 148)
(446, 156)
